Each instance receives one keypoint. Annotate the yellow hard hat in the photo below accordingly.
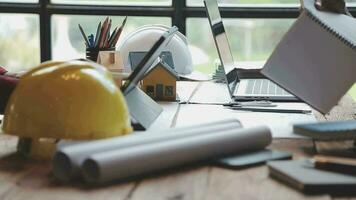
(67, 100)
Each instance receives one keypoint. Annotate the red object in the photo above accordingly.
(2, 71)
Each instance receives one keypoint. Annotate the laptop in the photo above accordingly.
(241, 88)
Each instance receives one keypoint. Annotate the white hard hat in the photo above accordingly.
(143, 39)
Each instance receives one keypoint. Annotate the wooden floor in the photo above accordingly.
(30, 180)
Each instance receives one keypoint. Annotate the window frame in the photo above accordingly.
(178, 12)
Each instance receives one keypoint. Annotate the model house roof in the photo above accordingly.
(164, 66)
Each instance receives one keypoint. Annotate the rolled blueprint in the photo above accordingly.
(68, 158)
(143, 159)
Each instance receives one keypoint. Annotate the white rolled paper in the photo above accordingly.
(143, 159)
(69, 157)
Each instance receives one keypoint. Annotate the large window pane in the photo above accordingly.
(68, 43)
(256, 2)
(250, 40)
(19, 41)
(351, 2)
(116, 2)
(19, 1)
(245, 2)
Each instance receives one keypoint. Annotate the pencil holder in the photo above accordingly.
(113, 61)
(92, 53)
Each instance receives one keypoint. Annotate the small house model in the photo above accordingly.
(160, 83)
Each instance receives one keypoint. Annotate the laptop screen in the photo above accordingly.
(221, 42)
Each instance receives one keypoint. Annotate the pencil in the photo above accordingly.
(97, 35)
(119, 32)
(274, 110)
(106, 41)
(112, 37)
(103, 33)
(84, 35)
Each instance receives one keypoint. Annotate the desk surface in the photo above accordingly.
(20, 179)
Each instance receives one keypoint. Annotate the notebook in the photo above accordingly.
(315, 60)
(303, 176)
(338, 130)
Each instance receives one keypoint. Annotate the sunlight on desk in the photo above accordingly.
(352, 92)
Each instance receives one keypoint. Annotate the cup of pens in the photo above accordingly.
(93, 52)
(104, 40)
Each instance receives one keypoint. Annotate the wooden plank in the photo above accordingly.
(186, 184)
(37, 183)
(26, 179)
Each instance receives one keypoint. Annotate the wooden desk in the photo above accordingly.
(20, 179)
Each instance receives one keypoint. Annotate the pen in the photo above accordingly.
(91, 40)
(275, 110)
(83, 34)
(251, 103)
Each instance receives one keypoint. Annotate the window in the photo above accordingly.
(47, 29)
(19, 42)
(65, 33)
(20, 1)
(118, 2)
(150, 90)
(32, 31)
(168, 91)
(230, 3)
(247, 38)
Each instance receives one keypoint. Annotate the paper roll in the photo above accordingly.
(143, 159)
(68, 158)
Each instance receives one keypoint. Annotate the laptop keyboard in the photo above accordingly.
(264, 86)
